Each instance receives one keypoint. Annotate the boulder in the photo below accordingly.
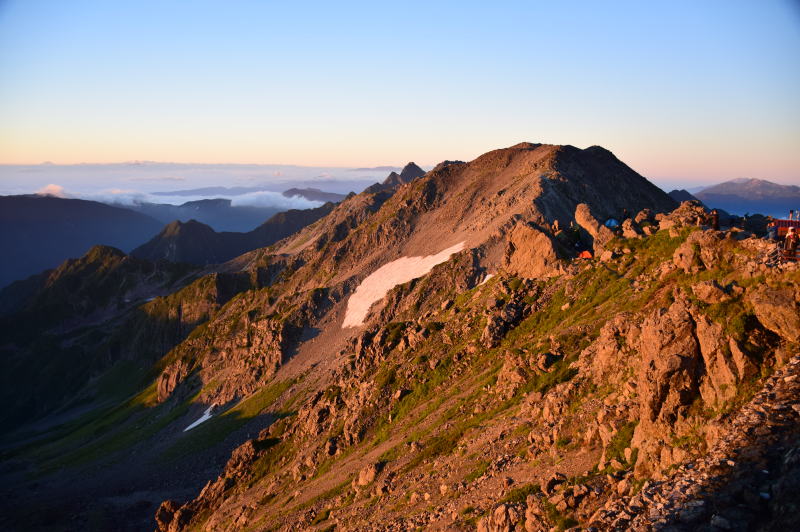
(531, 253)
(599, 233)
(631, 229)
(710, 292)
(689, 213)
(777, 310)
(367, 475)
(504, 518)
(702, 250)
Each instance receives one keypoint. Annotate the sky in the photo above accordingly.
(687, 91)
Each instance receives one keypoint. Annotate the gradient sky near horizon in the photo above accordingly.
(699, 91)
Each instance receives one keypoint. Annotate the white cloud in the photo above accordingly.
(120, 196)
(52, 190)
(266, 198)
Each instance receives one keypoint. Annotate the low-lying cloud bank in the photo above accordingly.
(52, 190)
(266, 198)
(130, 198)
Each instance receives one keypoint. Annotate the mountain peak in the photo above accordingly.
(748, 195)
(410, 172)
(177, 226)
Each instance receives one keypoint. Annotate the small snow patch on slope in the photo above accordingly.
(379, 282)
(205, 417)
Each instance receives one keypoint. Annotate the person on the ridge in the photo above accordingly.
(790, 245)
(772, 229)
(715, 220)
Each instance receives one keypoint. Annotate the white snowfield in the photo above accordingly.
(486, 279)
(205, 417)
(379, 282)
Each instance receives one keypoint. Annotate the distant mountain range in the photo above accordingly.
(210, 191)
(40, 232)
(219, 213)
(682, 195)
(196, 243)
(193, 242)
(409, 173)
(741, 196)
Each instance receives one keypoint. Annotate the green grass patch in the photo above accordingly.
(520, 494)
(216, 429)
(621, 441)
(478, 472)
(322, 516)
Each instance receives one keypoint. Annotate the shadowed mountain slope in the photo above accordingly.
(40, 232)
(218, 213)
(196, 243)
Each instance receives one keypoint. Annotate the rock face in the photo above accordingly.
(196, 243)
(532, 253)
(686, 359)
(599, 233)
(778, 310)
(542, 398)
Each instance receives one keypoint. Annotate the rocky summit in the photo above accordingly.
(538, 339)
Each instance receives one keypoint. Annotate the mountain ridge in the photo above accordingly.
(193, 242)
(752, 196)
(513, 385)
(40, 232)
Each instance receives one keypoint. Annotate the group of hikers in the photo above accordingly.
(784, 232)
(777, 230)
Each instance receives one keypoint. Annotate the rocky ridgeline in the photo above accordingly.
(612, 428)
(514, 386)
(750, 476)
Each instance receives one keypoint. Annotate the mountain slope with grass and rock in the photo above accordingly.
(437, 355)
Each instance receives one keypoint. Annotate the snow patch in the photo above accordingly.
(486, 279)
(379, 282)
(205, 417)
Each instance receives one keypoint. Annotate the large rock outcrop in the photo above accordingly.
(532, 253)
(599, 234)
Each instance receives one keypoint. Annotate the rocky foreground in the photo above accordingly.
(655, 389)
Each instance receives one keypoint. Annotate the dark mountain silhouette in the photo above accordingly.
(314, 194)
(40, 232)
(211, 191)
(741, 196)
(196, 243)
(217, 212)
(682, 195)
(409, 172)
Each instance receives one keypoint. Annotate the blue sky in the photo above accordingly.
(698, 90)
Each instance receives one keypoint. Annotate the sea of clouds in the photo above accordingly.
(146, 182)
(263, 198)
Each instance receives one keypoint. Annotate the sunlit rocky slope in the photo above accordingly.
(504, 384)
